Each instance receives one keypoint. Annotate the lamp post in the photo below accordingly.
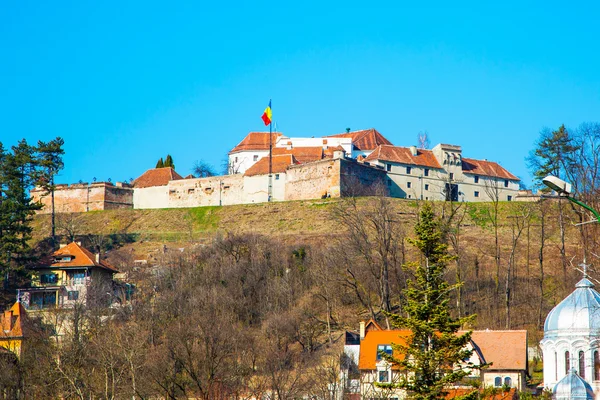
(564, 189)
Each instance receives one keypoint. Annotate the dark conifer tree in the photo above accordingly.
(160, 163)
(435, 352)
(49, 163)
(169, 162)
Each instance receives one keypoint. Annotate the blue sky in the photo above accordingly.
(126, 82)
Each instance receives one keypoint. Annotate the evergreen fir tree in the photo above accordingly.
(160, 163)
(49, 163)
(169, 162)
(435, 353)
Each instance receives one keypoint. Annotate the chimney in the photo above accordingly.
(97, 258)
(413, 150)
(62, 245)
(78, 243)
(289, 145)
(362, 330)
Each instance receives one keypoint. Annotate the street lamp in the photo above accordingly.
(564, 189)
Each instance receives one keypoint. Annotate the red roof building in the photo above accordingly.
(156, 177)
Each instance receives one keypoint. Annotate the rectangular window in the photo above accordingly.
(49, 278)
(476, 178)
(388, 167)
(76, 278)
(276, 177)
(408, 169)
(426, 172)
(408, 185)
(509, 198)
(73, 294)
(476, 194)
(255, 158)
(451, 175)
(383, 348)
(427, 186)
(384, 376)
(506, 183)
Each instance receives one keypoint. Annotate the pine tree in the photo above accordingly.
(553, 155)
(169, 162)
(49, 163)
(160, 163)
(17, 177)
(435, 351)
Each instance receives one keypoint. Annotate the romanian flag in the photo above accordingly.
(266, 117)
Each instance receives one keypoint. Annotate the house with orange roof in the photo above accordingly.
(149, 188)
(443, 174)
(66, 278)
(364, 368)
(14, 325)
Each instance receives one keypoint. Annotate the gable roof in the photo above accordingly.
(486, 168)
(403, 155)
(301, 154)
(12, 321)
(256, 141)
(367, 358)
(80, 257)
(505, 349)
(367, 139)
(156, 177)
(279, 165)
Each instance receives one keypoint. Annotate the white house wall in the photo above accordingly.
(151, 197)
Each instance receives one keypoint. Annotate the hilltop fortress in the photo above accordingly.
(358, 163)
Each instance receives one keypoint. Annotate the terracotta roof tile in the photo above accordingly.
(510, 394)
(80, 257)
(368, 346)
(367, 139)
(279, 165)
(12, 320)
(302, 154)
(402, 155)
(156, 177)
(256, 141)
(487, 168)
(505, 349)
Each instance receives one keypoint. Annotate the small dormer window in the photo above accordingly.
(62, 259)
(383, 348)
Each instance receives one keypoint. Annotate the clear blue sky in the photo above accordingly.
(126, 82)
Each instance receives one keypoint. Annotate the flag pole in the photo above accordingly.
(270, 192)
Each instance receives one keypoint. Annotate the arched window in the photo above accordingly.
(582, 364)
(596, 366)
(567, 362)
(507, 381)
(498, 381)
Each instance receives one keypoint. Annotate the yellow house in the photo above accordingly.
(64, 278)
(12, 322)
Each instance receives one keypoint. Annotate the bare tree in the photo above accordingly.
(203, 170)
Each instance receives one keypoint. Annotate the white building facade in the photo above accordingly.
(571, 340)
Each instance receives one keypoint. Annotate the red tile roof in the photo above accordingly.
(302, 154)
(487, 168)
(156, 177)
(80, 257)
(505, 349)
(279, 165)
(403, 155)
(256, 141)
(367, 139)
(510, 394)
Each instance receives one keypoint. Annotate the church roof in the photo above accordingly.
(579, 312)
(572, 387)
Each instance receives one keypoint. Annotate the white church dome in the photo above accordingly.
(572, 387)
(578, 313)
